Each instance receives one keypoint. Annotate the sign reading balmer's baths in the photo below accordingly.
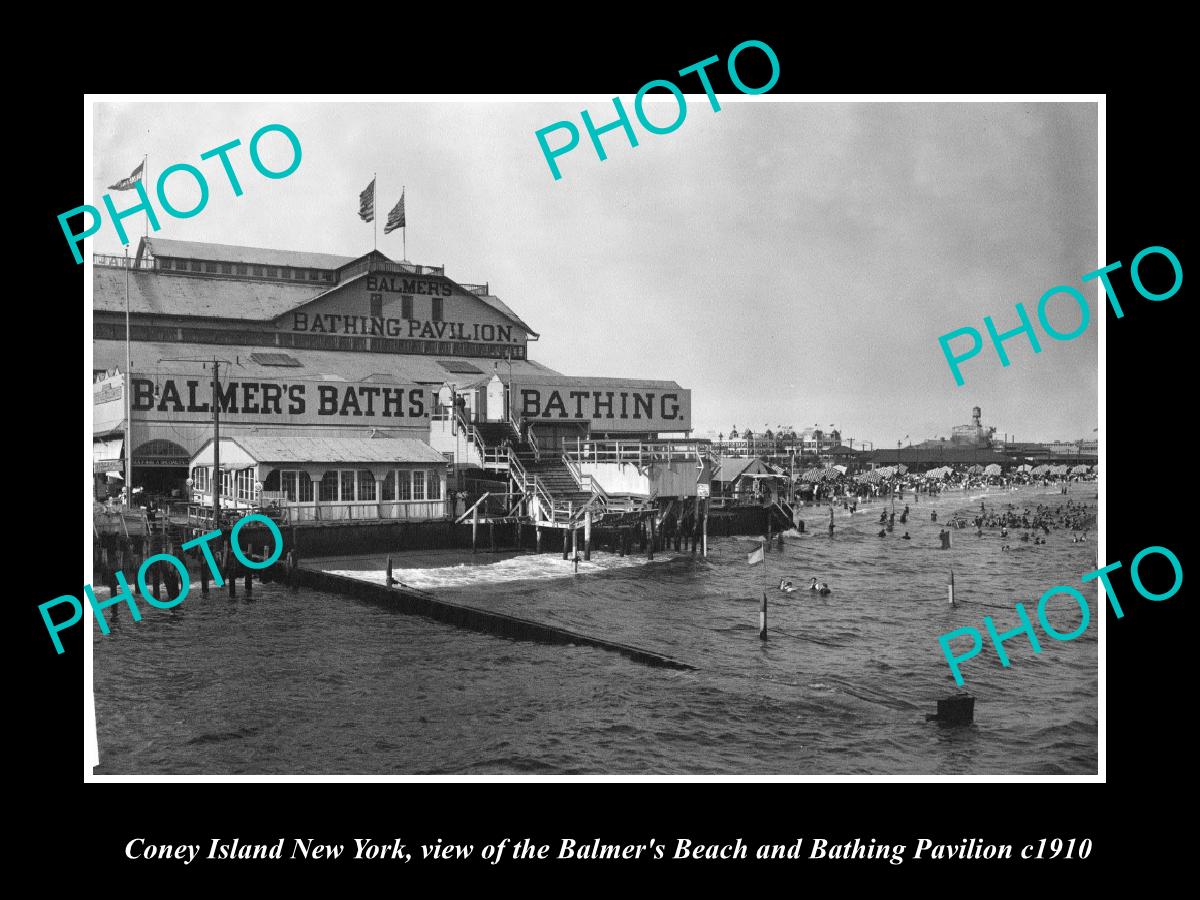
(184, 398)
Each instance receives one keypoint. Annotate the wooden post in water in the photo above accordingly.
(575, 546)
(566, 548)
(474, 527)
(203, 576)
(519, 547)
(704, 531)
(622, 540)
(587, 535)
(230, 572)
(650, 545)
(492, 533)
(538, 532)
(762, 619)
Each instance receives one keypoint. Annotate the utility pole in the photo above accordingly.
(216, 480)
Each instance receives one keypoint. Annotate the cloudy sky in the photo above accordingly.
(788, 262)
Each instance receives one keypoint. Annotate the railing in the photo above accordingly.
(470, 511)
(339, 511)
(491, 457)
(596, 489)
(475, 288)
(533, 442)
(121, 262)
(640, 453)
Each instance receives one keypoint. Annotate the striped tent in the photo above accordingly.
(1080, 470)
(1039, 471)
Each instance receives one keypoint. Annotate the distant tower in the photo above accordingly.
(976, 416)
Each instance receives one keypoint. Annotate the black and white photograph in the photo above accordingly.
(536, 437)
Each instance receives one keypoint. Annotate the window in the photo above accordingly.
(435, 486)
(405, 307)
(347, 484)
(366, 485)
(241, 270)
(226, 269)
(387, 490)
(418, 484)
(327, 276)
(181, 265)
(258, 270)
(270, 271)
(376, 306)
(306, 488)
(210, 267)
(196, 265)
(287, 484)
(437, 309)
(312, 275)
(329, 486)
(405, 484)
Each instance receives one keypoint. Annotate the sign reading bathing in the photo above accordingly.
(608, 407)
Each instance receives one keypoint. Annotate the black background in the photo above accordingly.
(1147, 706)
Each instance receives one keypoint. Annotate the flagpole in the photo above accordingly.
(128, 389)
(374, 207)
(404, 230)
(145, 173)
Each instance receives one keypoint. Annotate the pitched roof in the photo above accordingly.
(324, 365)
(583, 381)
(231, 253)
(733, 467)
(314, 449)
(179, 295)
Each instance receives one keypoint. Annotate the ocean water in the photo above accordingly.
(312, 683)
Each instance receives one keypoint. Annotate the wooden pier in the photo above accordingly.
(413, 602)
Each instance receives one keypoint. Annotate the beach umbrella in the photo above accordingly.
(1079, 470)
(993, 469)
(841, 470)
(975, 470)
(1025, 468)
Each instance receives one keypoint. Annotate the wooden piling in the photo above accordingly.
(492, 534)
(587, 535)
(704, 531)
(230, 572)
(762, 619)
(474, 527)
(566, 547)
(650, 554)
(538, 537)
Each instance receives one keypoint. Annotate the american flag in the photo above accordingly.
(395, 218)
(366, 203)
(126, 184)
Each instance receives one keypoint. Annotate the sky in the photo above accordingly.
(789, 262)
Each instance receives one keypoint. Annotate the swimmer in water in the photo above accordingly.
(883, 532)
(906, 537)
(785, 585)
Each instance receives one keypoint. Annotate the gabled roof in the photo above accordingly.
(732, 468)
(299, 259)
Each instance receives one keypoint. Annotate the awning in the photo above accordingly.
(115, 474)
(108, 449)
